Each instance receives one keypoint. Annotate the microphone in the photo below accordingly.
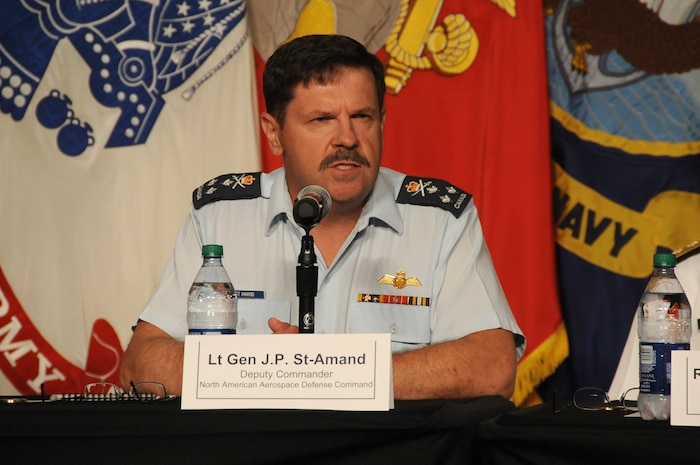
(312, 204)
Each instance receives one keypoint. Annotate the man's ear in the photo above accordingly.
(272, 132)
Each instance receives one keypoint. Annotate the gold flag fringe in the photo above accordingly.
(538, 365)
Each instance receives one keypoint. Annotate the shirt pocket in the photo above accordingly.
(254, 313)
(409, 325)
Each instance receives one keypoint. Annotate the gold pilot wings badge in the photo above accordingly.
(400, 280)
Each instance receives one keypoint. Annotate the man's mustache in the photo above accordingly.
(344, 155)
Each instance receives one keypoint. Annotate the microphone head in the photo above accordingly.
(312, 204)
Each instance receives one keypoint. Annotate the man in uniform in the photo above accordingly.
(397, 254)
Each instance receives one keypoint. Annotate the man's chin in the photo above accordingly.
(347, 199)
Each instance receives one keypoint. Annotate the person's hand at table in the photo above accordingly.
(280, 327)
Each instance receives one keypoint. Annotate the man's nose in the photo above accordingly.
(346, 135)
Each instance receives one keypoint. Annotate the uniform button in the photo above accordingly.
(394, 328)
(242, 324)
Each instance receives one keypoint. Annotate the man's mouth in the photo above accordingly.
(345, 165)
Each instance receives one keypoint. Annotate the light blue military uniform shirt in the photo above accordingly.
(415, 265)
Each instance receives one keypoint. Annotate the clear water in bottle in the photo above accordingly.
(664, 325)
(212, 308)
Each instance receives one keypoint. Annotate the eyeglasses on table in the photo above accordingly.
(593, 399)
(107, 391)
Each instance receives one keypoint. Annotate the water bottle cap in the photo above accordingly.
(664, 259)
(212, 250)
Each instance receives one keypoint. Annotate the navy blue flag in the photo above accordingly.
(626, 149)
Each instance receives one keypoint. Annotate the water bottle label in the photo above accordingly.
(210, 331)
(655, 366)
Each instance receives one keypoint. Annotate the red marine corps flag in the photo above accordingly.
(467, 102)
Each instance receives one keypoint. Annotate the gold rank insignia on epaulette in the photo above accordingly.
(227, 187)
(434, 193)
(688, 251)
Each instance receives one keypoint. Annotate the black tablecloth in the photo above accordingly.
(128, 432)
(538, 436)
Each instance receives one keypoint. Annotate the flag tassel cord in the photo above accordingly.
(539, 365)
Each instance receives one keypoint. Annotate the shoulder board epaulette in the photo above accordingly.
(435, 193)
(227, 187)
(688, 251)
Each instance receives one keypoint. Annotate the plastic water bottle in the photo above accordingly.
(663, 317)
(212, 304)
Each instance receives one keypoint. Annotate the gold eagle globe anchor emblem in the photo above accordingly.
(400, 280)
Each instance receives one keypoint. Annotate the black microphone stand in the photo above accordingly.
(307, 283)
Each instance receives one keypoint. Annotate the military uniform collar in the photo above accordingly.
(381, 205)
(280, 206)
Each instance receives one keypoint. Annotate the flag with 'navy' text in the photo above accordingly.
(625, 112)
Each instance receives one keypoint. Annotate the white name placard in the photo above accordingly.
(685, 388)
(281, 371)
